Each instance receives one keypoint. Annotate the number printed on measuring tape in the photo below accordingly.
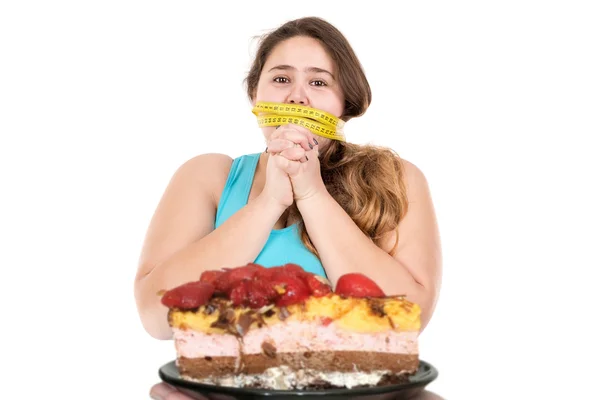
(318, 122)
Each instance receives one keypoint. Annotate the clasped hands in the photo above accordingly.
(297, 154)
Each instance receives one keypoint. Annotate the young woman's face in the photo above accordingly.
(299, 71)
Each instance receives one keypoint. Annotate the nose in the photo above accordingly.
(297, 95)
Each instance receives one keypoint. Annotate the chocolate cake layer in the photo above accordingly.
(332, 361)
(199, 368)
(329, 361)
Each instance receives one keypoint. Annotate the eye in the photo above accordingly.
(281, 79)
(319, 82)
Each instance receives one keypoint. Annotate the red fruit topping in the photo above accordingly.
(260, 293)
(251, 285)
(227, 281)
(292, 289)
(318, 288)
(210, 276)
(188, 296)
(265, 274)
(287, 270)
(222, 284)
(239, 293)
(326, 321)
(294, 269)
(357, 285)
(246, 272)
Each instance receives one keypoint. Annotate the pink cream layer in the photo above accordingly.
(294, 336)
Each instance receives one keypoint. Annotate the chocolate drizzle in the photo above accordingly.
(391, 322)
(283, 314)
(209, 309)
(229, 315)
(244, 322)
(377, 307)
(269, 349)
(240, 362)
(228, 322)
(225, 320)
(260, 321)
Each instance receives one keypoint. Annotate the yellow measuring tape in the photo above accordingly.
(318, 122)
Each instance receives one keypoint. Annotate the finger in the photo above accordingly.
(192, 395)
(294, 154)
(160, 391)
(181, 396)
(278, 145)
(305, 157)
(311, 137)
(290, 131)
(281, 162)
(314, 153)
(286, 165)
(294, 136)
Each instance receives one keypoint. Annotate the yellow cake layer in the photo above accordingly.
(357, 315)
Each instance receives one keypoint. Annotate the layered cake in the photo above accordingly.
(284, 328)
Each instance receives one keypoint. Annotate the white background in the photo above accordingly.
(498, 104)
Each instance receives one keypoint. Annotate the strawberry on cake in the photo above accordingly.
(284, 328)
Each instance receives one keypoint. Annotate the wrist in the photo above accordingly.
(271, 205)
(316, 198)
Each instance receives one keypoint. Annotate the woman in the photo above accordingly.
(330, 206)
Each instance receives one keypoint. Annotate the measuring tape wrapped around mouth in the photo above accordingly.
(317, 121)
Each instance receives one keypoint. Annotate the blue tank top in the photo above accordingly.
(284, 245)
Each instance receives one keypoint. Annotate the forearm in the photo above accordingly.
(236, 242)
(344, 248)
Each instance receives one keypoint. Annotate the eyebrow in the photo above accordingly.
(309, 69)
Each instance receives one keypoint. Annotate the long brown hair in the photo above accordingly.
(365, 180)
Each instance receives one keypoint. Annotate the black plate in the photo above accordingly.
(416, 383)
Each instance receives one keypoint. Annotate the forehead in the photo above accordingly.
(300, 52)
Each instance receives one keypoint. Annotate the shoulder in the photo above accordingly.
(204, 167)
(414, 179)
(411, 171)
(207, 171)
(213, 161)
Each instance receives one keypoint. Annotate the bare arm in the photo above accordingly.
(181, 241)
(415, 269)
